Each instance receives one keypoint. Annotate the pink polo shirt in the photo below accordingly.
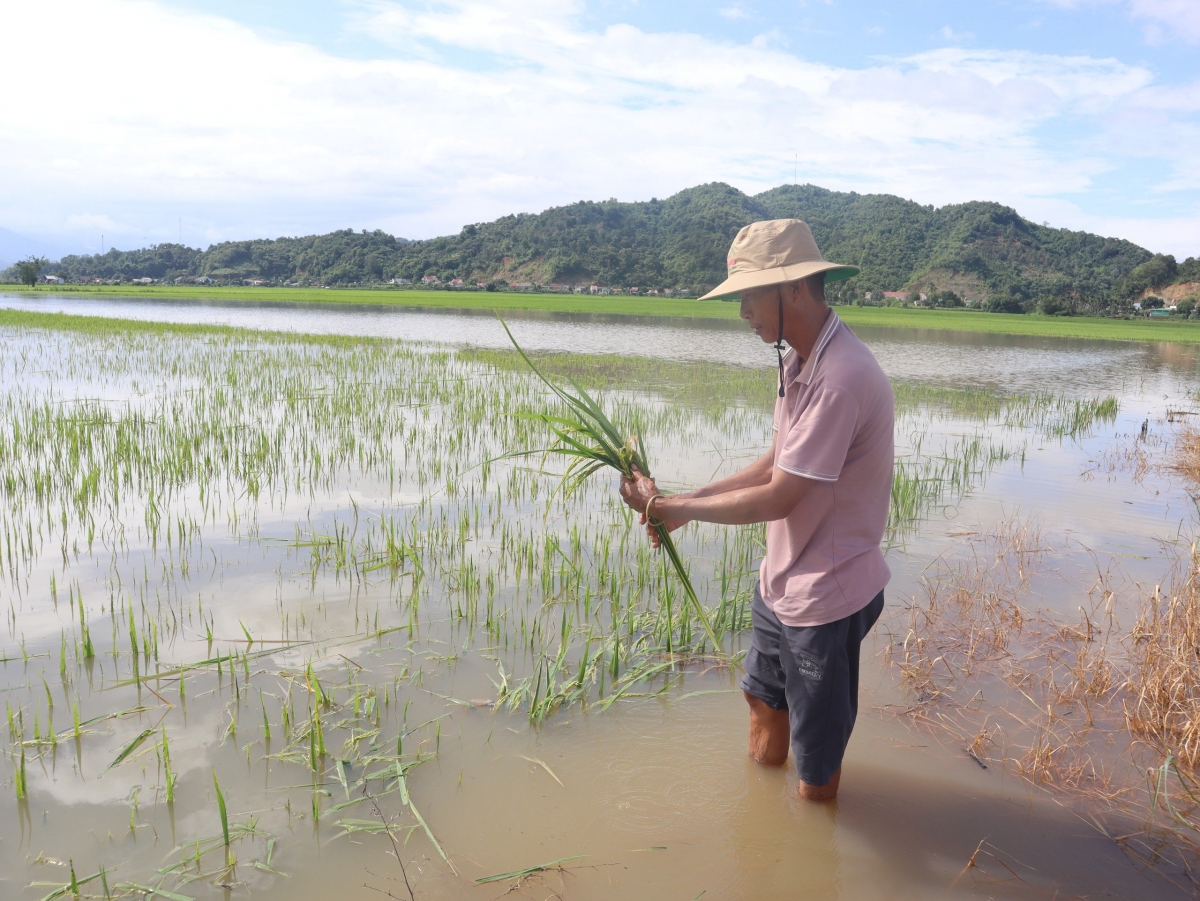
(833, 425)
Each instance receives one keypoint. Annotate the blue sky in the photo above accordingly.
(145, 119)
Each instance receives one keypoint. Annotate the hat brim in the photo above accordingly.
(764, 278)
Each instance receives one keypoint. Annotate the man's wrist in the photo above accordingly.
(666, 506)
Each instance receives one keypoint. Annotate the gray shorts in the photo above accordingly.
(812, 672)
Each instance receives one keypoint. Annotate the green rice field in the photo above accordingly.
(1084, 327)
(285, 619)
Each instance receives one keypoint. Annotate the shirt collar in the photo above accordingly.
(804, 373)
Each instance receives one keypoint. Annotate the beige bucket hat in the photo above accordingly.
(772, 253)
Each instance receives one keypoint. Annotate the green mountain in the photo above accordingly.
(982, 252)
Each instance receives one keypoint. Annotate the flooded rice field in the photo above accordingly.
(283, 621)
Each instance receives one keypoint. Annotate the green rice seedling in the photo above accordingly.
(19, 777)
(74, 885)
(588, 437)
(529, 871)
(406, 799)
(89, 650)
(168, 776)
(131, 747)
(224, 819)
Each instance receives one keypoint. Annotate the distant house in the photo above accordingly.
(457, 283)
(252, 281)
(145, 280)
(1137, 305)
(400, 281)
(521, 286)
(559, 289)
(430, 280)
(481, 284)
(202, 280)
(53, 280)
(634, 290)
(579, 289)
(670, 292)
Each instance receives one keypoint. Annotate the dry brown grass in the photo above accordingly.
(1082, 707)
(1173, 452)
(1185, 455)
(1162, 697)
(968, 612)
(1104, 715)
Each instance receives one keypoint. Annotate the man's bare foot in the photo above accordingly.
(770, 732)
(826, 792)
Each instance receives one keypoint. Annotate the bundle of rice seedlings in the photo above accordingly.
(588, 437)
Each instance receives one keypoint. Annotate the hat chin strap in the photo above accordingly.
(779, 342)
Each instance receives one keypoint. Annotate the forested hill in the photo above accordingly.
(981, 251)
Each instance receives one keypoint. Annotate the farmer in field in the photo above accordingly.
(822, 489)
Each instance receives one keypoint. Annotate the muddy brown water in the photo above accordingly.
(654, 797)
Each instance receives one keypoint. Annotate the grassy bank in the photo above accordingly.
(1180, 332)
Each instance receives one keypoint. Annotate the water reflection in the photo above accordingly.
(1009, 362)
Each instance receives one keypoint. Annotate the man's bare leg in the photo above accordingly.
(826, 792)
(770, 733)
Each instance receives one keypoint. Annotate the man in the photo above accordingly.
(823, 489)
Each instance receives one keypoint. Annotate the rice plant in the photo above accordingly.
(589, 439)
(336, 528)
(224, 814)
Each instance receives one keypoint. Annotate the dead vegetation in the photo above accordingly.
(1162, 702)
(1174, 452)
(968, 613)
(1102, 714)
(1185, 456)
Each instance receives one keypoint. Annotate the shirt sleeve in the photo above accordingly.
(818, 440)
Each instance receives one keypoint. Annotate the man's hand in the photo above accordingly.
(637, 492)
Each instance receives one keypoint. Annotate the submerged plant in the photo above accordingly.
(224, 820)
(587, 436)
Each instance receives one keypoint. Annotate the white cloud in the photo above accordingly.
(733, 12)
(1164, 19)
(951, 35)
(493, 107)
(1169, 18)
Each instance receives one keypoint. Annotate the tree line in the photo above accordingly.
(980, 254)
